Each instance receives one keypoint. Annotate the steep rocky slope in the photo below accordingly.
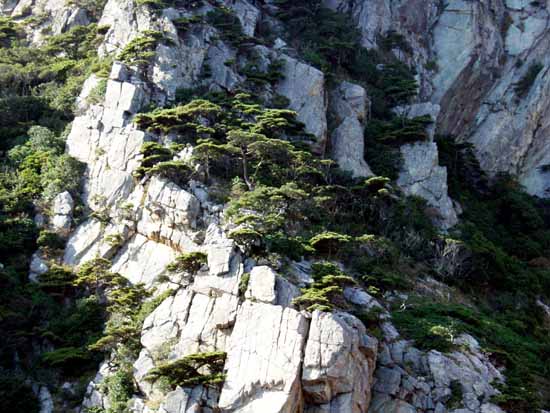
(237, 307)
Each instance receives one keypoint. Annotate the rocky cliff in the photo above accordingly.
(482, 74)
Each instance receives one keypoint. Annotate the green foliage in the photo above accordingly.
(246, 237)
(38, 88)
(455, 401)
(181, 119)
(434, 326)
(49, 239)
(384, 137)
(9, 31)
(192, 370)
(126, 306)
(141, 50)
(16, 395)
(258, 76)
(158, 160)
(326, 291)
(326, 40)
(394, 40)
(57, 277)
(329, 242)
(158, 5)
(507, 233)
(190, 262)
(152, 153)
(523, 86)
(243, 284)
(97, 94)
(228, 25)
(506, 229)
(65, 357)
(119, 388)
(183, 24)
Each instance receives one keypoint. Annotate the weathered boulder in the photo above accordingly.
(304, 86)
(408, 380)
(261, 285)
(511, 134)
(56, 16)
(422, 176)
(124, 23)
(220, 250)
(208, 324)
(247, 14)
(62, 211)
(142, 260)
(348, 112)
(45, 399)
(169, 214)
(166, 321)
(361, 298)
(38, 267)
(339, 363)
(83, 243)
(263, 360)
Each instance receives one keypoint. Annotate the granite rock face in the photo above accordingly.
(421, 174)
(304, 86)
(339, 364)
(263, 369)
(281, 360)
(62, 212)
(408, 380)
(349, 106)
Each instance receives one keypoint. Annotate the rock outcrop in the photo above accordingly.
(349, 106)
(408, 380)
(304, 86)
(339, 364)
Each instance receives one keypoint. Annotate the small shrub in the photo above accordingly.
(57, 277)
(192, 370)
(329, 242)
(246, 237)
(243, 284)
(228, 24)
(141, 50)
(49, 239)
(326, 291)
(190, 263)
(67, 358)
(97, 94)
(119, 388)
(455, 400)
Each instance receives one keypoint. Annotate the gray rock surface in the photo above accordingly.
(422, 176)
(339, 362)
(37, 267)
(408, 380)
(263, 363)
(348, 113)
(261, 285)
(62, 211)
(304, 86)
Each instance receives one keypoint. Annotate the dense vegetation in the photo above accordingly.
(38, 87)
